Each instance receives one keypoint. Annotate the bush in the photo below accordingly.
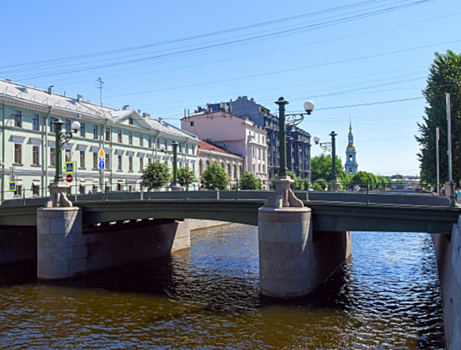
(249, 181)
(214, 178)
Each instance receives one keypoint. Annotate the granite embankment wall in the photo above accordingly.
(447, 249)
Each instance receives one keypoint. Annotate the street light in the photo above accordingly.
(174, 186)
(284, 196)
(330, 147)
(58, 189)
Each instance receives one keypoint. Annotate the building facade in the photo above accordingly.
(232, 163)
(298, 140)
(129, 140)
(351, 164)
(239, 135)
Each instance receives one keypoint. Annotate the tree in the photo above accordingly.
(321, 168)
(444, 76)
(297, 185)
(249, 181)
(214, 178)
(320, 184)
(186, 176)
(155, 175)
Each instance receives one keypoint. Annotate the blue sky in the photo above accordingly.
(162, 57)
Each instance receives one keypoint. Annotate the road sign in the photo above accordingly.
(70, 167)
(101, 153)
(13, 186)
(69, 178)
(101, 165)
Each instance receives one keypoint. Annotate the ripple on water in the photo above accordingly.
(386, 297)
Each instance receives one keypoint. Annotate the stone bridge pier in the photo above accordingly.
(63, 251)
(293, 259)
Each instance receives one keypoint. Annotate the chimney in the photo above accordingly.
(51, 90)
(146, 115)
(125, 107)
(79, 98)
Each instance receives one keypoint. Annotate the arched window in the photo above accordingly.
(229, 172)
(223, 165)
(350, 157)
(235, 171)
(208, 163)
(200, 167)
(350, 170)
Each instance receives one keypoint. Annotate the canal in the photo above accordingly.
(386, 296)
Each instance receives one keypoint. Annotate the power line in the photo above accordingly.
(370, 104)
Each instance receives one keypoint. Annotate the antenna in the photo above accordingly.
(100, 89)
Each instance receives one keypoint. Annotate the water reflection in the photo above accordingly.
(386, 297)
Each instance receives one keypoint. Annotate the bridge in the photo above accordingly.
(331, 211)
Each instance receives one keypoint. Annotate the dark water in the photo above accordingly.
(386, 297)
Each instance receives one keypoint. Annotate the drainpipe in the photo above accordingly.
(3, 153)
(102, 172)
(45, 152)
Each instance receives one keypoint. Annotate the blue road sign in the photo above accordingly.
(13, 187)
(101, 165)
(70, 167)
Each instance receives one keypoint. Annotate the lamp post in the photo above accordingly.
(284, 196)
(58, 189)
(175, 186)
(334, 184)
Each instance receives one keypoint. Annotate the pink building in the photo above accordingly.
(234, 133)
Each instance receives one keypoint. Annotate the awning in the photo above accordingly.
(19, 183)
(121, 181)
(95, 184)
(82, 183)
(36, 183)
(108, 184)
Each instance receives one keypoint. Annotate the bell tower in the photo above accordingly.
(351, 165)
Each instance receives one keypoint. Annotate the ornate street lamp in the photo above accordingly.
(174, 186)
(284, 196)
(58, 189)
(334, 184)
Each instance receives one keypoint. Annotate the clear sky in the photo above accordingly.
(162, 57)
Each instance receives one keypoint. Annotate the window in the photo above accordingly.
(95, 132)
(35, 155)
(68, 155)
(165, 142)
(141, 164)
(35, 188)
(186, 146)
(149, 141)
(149, 160)
(119, 162)
(130, 163)
(17, 153)
(52, 156)
(52, 126)
(130, 121)
(67, 125)
(95, 160)
(130, 138)
(141, 140)
(193, 149)
(18, 191)
(18, 119)
(180, 147)
(119, 136)
(158, 143)
(107, 161)
(35, 121)
(82, 129)
(82, 159)
(191, 123)
(107, 134)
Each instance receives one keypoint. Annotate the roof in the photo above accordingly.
(210, 146)
(83, 108)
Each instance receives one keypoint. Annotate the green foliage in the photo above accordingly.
(155, 175)
(444, 76)
(320, 185)
(185, 176)
(321, 168)
(297, 185)
(214, 178)
(249, 181)
(305, 184)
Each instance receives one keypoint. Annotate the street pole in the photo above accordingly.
(333, 156)
(58, 174)
(174, 185)
(283, 138)
(450, 178)
(437, 138)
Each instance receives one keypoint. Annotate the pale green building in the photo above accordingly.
(129, 140)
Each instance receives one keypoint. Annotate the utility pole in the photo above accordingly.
(100, 89)
(450, 169)
(437, 138)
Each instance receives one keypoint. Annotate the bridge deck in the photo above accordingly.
(328, 215)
